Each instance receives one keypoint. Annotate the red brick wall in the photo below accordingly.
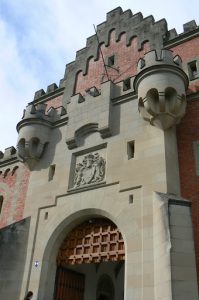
(187, 133)
(55, 102)
(14, 184)
(187, 51)
(126, 59)
(13, 188)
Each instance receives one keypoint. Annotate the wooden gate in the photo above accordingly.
(69, 285)
(92, 242)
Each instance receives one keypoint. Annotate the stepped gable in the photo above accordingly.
(146, 29)
(188, 28)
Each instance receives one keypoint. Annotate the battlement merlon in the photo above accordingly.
(51, 91)
(154, 62)
(152, 58)
(190, 30)
(37, 113)
(8, 156)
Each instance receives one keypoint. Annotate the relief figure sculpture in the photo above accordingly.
(90, 170)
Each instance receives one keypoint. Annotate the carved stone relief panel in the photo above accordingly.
(89, 168)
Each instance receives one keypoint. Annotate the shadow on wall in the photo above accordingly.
(113, 128)
(49, 151)
(13, 251)
(37, 155)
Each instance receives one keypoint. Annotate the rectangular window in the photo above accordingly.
(111, 61)
(130, 149)
(126, 84)
(130, 199)
(193, 70)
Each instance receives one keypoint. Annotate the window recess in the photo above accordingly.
(126, 84)
(111, 61)
(1, 203)
(130, 149)
(193, 70)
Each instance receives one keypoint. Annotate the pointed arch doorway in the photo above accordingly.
(90, 263)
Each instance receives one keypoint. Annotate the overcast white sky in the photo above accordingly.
(38, 37)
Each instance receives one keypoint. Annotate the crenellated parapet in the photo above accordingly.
(145, 29)
(161, 87)
(38, 113)
(190, 28)
(35, 131)
(8, 156)
(89, 114)
(50, 90)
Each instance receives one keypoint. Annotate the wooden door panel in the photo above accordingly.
(69, 285)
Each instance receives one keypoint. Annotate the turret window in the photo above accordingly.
(193, 70)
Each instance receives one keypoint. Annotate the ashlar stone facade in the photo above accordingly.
(92, 197)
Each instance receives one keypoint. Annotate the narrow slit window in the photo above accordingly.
(130, 149)
(46, 215)
(130, 199)
(126, 84)
(193, 71)
(1, 203)
(111, 61)
(51, 172)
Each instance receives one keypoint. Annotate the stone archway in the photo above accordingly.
(92, 250)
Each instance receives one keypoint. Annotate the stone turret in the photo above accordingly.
(34, 132)
(161, 85)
